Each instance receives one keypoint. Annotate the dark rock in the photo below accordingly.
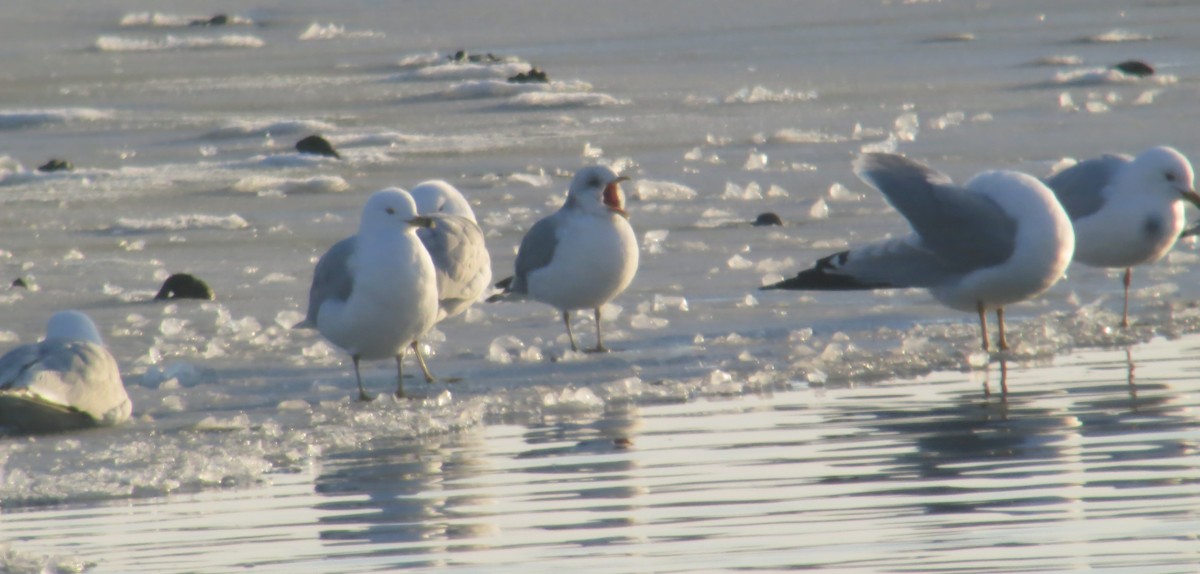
(767, 218)
(533, 76)
(56, 165)
(1135, 68)
(316, 145)
(19, 283)
(218, 20)
(463, 56)
(184, 286)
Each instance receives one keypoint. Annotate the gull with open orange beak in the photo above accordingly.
(580, 257)
(1126, 211)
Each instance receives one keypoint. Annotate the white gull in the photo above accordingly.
(375, 293)
(456, 244)
(1126, 211)
(583, 255)
(67, 381)
(1001, 239)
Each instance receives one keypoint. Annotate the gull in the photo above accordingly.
(375, 293)
(456, 244)
(1126, 211)
(1000, 239)
(67, 381)
(580, 257)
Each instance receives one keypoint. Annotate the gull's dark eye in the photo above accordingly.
(1170, 176)
(391, 211)
(595, 182)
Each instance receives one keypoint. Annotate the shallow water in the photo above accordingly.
(1089, 463)
(731, 428)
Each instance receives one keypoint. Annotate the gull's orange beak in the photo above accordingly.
(615, 199)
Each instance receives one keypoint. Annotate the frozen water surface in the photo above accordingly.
(729, 429)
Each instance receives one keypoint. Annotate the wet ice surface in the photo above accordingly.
(724, 417)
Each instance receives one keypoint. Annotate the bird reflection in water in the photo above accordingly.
(423, 499)
(407, 497)
(987, 390)
(1132, 385)
(587, 472)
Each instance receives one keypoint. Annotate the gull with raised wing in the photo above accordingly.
(375, 293)
(580, 257)
(1126, 211)
(67, 381)
(456, 244)
(1000, 239)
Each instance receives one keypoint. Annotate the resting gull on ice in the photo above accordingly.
(1001, 239)
(375, 293)
(1126, 211)
(580, 257)
(456, 244)
(67, 381)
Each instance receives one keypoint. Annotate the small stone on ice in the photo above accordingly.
(767, 218)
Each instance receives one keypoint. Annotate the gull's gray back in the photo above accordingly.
(1080, 188)
(456, 245)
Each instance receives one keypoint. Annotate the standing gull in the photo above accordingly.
(583, 255)
(455, 242)
(1126, 211)
(373, 294)
(67, 381)
(1000, 239)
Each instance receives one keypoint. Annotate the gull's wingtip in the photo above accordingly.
(504, 294)
(824, 276)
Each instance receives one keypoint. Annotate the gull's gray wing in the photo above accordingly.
(332, 279)
(14, 364)
(963, 230)
(536, 251)
(464, 269)
(1080, 188)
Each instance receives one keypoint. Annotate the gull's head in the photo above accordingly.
(1165, 170)
(437, 196)
(392, 208)
(597, 189)
(72, 326)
